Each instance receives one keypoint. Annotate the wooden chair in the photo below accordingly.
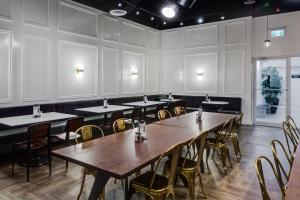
(220, 143)
(38, 137)
(120, 125)
(88, 133)
(178, 110)
(261, 177)
(154, 185)
(163, 114)
(188, 166)
(69, 134)
(290, 137)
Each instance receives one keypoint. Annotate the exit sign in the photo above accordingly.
(277, 32)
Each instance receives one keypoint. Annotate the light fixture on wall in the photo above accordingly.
(200, 75)
(79, 71)
(267, 42)
(134, 73)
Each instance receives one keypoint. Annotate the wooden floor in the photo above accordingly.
(240, 183)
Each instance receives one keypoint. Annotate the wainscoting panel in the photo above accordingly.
(73, 56)
(153, 39)
(109, 29)
(201, 73)
(83, 21)
(172, 40)
(36, 12)
(6, 9)
(201, 36)
(5, 65)
(153, 76)
(35, 68)
(132, 72)
(235, 32)
(133, 34)
(110, 72)
(172, 74)
(234, 72)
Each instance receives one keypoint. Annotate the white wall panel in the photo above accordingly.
(206, 63)
(172, 40)
(70, 56)
(172, 74)
(5, 66)
(201, 36)
(132, 62)
(234, 77)
(110, 76)
(77, 20)
(133, 34)
(235, 32)
(153, 39)
(153, 69)
(110, 28)
(35, 68)
(6, 9)
(36, 12)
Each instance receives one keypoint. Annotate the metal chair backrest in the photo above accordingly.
(72, 125)
(178, 110)
(172, 153)
(290, 137)
(293, 126)
(38, 133)
(88, 132)
(120, 125)
(163, 114)
(261, 177)
(275, 145)
(224, 133)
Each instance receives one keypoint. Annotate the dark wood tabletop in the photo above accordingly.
(293, 188)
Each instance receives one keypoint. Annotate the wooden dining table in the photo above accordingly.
(119, 156)
(293, 187)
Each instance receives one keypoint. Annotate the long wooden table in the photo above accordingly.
(119, 155)
(293, 188)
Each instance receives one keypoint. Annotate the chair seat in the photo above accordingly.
(34, 145)
(62, 136)
(144, 181)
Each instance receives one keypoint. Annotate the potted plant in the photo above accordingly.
(271, 87)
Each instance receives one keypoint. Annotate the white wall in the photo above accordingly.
(43, 41)
(221, 51)
(280, 47)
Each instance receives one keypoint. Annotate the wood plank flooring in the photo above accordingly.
(240, 183)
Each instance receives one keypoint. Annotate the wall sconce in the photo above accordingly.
(79, 71)
(200, 74)
(134, 73)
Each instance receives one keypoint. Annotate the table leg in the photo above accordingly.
(105, 119)
(98, 186)
(126, 189)
(145, 111)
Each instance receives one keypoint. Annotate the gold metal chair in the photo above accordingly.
(234, 136)
(291, 138)
(189, 165)
(275, 145)
(163, 114)
(220, 143)
(120, 125)
(154, 185)
(87, 133)
(293, 125)
(261, 178)
(178, 110)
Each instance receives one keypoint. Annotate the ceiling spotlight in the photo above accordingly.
(169, 11)
(137, 12)
(164, 22)
(120, 4)
(249, 2)
(118, 12)
(181, 23)
(152, 18)
(200, 20)
(222, 17)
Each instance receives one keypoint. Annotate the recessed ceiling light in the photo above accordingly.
(169, 11)
(181, 23)
(120, 4)
(118, 13)
(152, 18)
(200, 20)
(249, 2)
(164, 22)
(222, 17)
(137, 12)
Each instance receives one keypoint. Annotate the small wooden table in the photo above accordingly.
(119, 155)
(23, 120)
(144, 105)
(293, 188)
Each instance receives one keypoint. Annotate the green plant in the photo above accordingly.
(271, 87)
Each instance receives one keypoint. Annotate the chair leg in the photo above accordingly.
(237, 149)
(49, 160)
(223, 158)
(131, 192)
(13, 160)
(207, 155)
(228, 157)
(201, 184)
(28, 159)
(82, 184)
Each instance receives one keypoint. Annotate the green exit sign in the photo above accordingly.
(277, 32)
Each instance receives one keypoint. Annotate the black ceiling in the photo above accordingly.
(209, 10)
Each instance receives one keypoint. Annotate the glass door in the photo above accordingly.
(294, 92)
(270, 91)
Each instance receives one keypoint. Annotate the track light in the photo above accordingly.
(169, 11)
